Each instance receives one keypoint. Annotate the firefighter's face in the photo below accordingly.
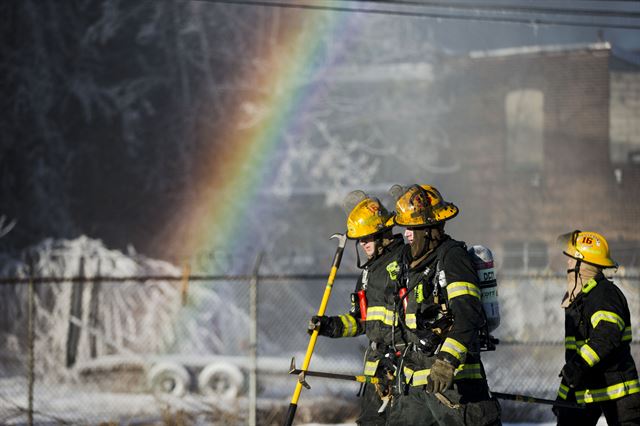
(408, 234)
(368, 245)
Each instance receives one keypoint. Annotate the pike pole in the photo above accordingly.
(500, 395)
(535, 400)
(342, 240)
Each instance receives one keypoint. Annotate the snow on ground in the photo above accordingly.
(601, 422)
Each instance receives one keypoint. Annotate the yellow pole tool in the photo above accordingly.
(342, 240)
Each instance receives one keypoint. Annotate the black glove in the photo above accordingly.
(573, 371)
(323, 324)
(386, 367)
(427, 341)
(441, 376)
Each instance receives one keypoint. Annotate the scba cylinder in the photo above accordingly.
(483, 263)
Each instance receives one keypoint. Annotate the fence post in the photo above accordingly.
(253, 341)
(31, 344)
(94, 312)
(73, 337)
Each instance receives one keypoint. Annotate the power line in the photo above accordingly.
(416, 14)
(478, 6)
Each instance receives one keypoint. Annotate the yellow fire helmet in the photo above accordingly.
(367, 216)
(421, 205)
(589, 247)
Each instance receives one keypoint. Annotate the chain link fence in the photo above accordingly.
(177, 348)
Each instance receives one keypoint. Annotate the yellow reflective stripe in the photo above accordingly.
(408, 373)
(570, 342)
(380, 313)
(463, 372)
(607, 316)
(455, 348)
(370, 368)
(626, 334)
(589, 355)
(410, 320)
(563, 391)
(461, 288)
(419, 294)
(420, 377)
(468, 371)
(350, 327)
(610, 392)
(589, 285)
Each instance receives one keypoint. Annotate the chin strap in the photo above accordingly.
(576, 271)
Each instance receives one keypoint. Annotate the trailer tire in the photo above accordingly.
(222, 380)
(168, 378)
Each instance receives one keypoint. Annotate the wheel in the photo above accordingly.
(221, 380)
(168, 378)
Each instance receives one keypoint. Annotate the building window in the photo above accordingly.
(525, 256)
(525, 130)
(624, 127)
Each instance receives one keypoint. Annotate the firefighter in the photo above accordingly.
(599, 370)
(442, 368)
(373, 304)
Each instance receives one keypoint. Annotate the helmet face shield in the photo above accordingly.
(352, 199)
(567, 243)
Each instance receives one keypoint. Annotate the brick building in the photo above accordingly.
(549, 141)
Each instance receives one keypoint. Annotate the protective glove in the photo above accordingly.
(441, 376)
(323, 324)
(386, 367)
(573, 371)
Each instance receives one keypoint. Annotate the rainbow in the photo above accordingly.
(239, 169)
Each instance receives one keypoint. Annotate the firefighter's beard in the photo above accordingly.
(425, 240)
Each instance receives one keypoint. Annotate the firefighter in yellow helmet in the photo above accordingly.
(599, 370)
(374, 301)
(444, 311)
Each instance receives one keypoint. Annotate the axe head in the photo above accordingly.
(342, 239)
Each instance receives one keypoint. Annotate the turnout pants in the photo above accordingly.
(476, 407)
(623, 411)
(370, 402)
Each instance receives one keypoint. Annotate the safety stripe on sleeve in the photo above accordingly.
(370, 368)
(463, 372)
(455, 348)
(461, 288)
(380, 313)
(410, 320)
(626, 334)
(610, 392)
(350, 327)
(570, 342)
(589, 355)
(563, 391)
(468, 371)
(607, 316)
